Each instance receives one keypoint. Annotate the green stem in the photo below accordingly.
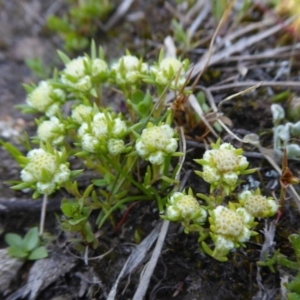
(98, 100)
(126, 175)
(120, 203)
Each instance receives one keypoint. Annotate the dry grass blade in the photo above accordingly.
(119, 13)
(196, 106)
(200, 18)
(135, 259)
(208, 59)
(238, 94)
(287, 84)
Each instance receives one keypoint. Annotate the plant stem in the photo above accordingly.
(43, 214)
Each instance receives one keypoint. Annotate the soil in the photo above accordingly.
(183, 271)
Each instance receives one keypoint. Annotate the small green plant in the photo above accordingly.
(293, 287)
(285, 134)
(230, 224)
(80, 23)
(182, 37)
(28, 247)
(133, 153)
(115, 146)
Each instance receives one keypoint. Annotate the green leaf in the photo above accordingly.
(21, 186)
(36, 195)
(295, 240)
(75, 173)
(88, 232)
(31, 239)
(99, 182)
(38, 253)
(17, 252)
(46, 175)
(137, 97)
(88, 190)
(65, 59)
(13, 151)
(14, 240)
(93, 50)
(206, 249)
(77, 221)
(67, 209)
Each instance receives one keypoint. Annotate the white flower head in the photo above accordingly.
(222, 165)
(128, 70)
(223, 243)
(156, 142)
(81, 112)
(44, 98)
(62, 174)
(141, 148)
(225, 160)
(115, 146)
(83, 129)
(167, 71)
(99, 125)
(257, 205)
(230, 178)
(45, 170)
(248, 218)
(75, 67)
(210, 174)
(41, 160)
(45, 188)
(119, 128)
(156, 158)
(52, 131)
(228, 222)
(175, 198)
(83, 84)
(130, 62)
(185, 208)
(173, 213)
(90, 143)
(99, 68)
(188, 205)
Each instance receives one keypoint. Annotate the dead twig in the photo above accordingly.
(208, 60)
(285, 84)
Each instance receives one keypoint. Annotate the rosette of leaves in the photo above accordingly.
(77, 215)
(28, 247)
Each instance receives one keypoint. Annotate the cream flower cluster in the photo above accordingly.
(156, 142)
(46, 99)
(257, 205)
(105, 133)
(128, 70)
(81, 72)
(80, 113)
(45, 170)
(185, 208)
(167, 72)
(51, 131)
(222, 165)
(230, 228)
